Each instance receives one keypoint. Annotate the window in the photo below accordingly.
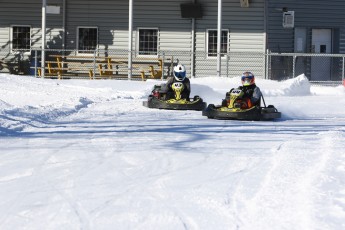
(87, 39)
(148, 44)
(21, 38)
(212, 43)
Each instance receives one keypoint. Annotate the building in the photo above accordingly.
(315, 28)
(185, 30)
(158, 26)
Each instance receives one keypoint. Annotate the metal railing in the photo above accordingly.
(319, 68)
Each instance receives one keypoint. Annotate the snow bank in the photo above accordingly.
(298, 86)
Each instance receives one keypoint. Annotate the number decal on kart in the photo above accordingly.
(178, 85)
(178, 88)
(236, 92)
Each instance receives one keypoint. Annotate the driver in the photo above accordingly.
(251, 93)
(179, 76)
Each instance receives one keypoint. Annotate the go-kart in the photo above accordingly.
(158, 99)
(235, 107)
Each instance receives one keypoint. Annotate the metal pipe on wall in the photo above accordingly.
(130, 38)
(219, 38)
(265, 71)
(63, 24)
(193, 48)
(44, 6)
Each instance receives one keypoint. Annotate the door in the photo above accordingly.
(321, 66)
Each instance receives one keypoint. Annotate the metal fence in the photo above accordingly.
(319, 68)
(323, 68)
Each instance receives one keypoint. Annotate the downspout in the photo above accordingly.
(219, 36)
(130, 38)
(43, 32)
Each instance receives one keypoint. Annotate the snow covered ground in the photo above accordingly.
(80, 154)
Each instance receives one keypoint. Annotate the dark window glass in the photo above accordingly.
(87, 39)
(148, 41)
(21, 38)
(212, 43)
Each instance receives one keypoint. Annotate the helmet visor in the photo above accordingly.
(246, 82)
(248, 77)
(180, 75)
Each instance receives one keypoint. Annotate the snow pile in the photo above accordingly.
(298, 86)
(215, 88)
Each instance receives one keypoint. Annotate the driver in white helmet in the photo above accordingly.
(179, 76)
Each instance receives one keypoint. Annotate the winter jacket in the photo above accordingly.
(186, 91)
(253, 93)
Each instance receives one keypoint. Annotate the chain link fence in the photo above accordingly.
(327, 69)
(120, 64)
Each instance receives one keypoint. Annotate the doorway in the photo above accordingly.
(321, 44)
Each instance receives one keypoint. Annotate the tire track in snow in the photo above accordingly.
(15, 120)
(330, 188)
(289, 185)
(36, 191)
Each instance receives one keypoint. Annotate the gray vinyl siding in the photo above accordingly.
(245, 26)
(26, 13)
(246, 35)
(111, 17)
(308, 14)
(23, 12)
(7, 19)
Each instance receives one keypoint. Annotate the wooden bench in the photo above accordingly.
(154, 73)
(110, 66)
(61, 70)
(146, 67)
(103, 67)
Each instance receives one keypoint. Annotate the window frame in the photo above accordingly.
(223, 55)
(84, 52)
(138, 41)
(11, 39)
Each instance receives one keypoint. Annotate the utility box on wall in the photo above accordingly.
(289, 19)
(244, 3)
(53, 9)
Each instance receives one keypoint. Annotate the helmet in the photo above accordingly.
(248, 79)
(179, 72)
